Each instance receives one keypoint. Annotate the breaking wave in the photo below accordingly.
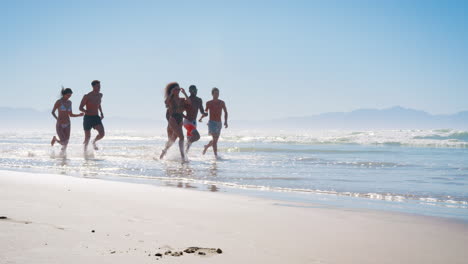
(444, 138)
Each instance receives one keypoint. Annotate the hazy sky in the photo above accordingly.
(269, 58)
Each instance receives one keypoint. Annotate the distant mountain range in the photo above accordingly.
(390, 118)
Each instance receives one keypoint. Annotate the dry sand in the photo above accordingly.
(51, 218)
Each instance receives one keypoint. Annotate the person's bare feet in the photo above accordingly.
(95, 146)
(187, 147)
(54, 139)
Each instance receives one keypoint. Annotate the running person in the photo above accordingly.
(63, 126)
(174, 115)
(190, 122)
(215, 108)
(91, 105)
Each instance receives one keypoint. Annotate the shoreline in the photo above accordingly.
(51, 218)
(306, 198)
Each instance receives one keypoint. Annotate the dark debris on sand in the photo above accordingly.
(202, 251)
(190, 250)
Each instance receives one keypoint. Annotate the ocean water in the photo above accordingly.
(413, 171)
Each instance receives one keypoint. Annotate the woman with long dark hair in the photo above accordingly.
(174, 115)
(63, 126)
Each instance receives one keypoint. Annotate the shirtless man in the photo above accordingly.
(215, 108)
(91, 106)
(190, 122)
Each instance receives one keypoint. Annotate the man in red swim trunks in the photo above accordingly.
(190, 122)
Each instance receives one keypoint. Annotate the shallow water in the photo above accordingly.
(416, 171)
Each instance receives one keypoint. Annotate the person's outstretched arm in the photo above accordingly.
(202, 111)
(83, 103)
(100, 110)
(56, 105)
(74, 115)
(206, 111)
(225, 115)
(187, 99)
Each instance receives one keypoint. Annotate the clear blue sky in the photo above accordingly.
(269, 58)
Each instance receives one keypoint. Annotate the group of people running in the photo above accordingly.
(180, 111)
(176, 106)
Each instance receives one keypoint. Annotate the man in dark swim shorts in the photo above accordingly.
(91, 105)
(91, 121)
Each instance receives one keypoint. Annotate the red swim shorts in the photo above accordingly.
(190, 126)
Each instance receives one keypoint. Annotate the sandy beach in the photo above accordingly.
(62, 219)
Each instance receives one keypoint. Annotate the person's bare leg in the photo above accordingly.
(195, 137)
(60, 134)
(171, 137)
(215, 145)
(61, 142)
(189, 143)
(101, 134)
(177, 128)
(87, 138)
(64, 148)
(169, 131)
(52, 142)
(207, 146)
(174, 131)
(181, 148)
(65, 137)
(166, 148)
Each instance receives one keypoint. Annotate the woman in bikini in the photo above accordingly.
(64, 108)
(174, 115)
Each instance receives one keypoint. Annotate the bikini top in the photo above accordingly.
(64, 108)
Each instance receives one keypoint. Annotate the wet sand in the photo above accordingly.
(61, 219)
